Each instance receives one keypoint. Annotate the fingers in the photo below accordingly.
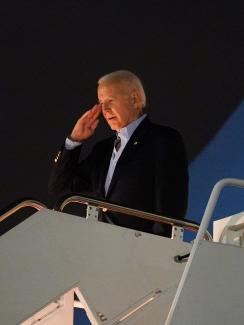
(96, 108)
(86, 124)
(94, 124)
(93, 113)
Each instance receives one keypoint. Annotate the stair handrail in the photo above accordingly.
(214, 196)
(104, 206)
(20, 204)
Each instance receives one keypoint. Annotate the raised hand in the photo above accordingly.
(86, 125)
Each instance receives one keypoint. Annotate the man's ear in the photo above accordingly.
(136, 98)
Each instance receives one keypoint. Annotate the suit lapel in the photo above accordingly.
(135, 141)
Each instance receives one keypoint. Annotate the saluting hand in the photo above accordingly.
(87, 123)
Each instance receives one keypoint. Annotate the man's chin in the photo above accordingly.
(113, 126)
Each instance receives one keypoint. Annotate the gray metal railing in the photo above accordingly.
(218, 187)
(105, 206)
(29, 203)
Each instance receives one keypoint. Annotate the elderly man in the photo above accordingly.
(143, 166)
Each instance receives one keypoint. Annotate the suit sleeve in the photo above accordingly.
(171, 178)
(68, 175)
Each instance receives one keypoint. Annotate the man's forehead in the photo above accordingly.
(112, 90)
(106, 94)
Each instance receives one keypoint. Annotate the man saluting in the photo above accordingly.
(143, 166)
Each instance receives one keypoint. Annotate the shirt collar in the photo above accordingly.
(127, 131)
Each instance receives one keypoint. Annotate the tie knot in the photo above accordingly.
(117, 143)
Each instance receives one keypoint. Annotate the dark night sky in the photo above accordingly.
(189, 55)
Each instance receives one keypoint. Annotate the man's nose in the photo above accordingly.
(105, 107)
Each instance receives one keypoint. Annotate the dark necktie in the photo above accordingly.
(117, 143)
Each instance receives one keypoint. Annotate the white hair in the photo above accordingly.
(125, 76)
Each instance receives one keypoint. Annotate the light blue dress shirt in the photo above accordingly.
(70, 144)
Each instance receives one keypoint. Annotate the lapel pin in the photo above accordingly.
(135, 143)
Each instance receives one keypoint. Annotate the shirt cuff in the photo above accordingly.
(70, 144)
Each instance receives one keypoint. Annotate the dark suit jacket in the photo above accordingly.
(150, 175)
